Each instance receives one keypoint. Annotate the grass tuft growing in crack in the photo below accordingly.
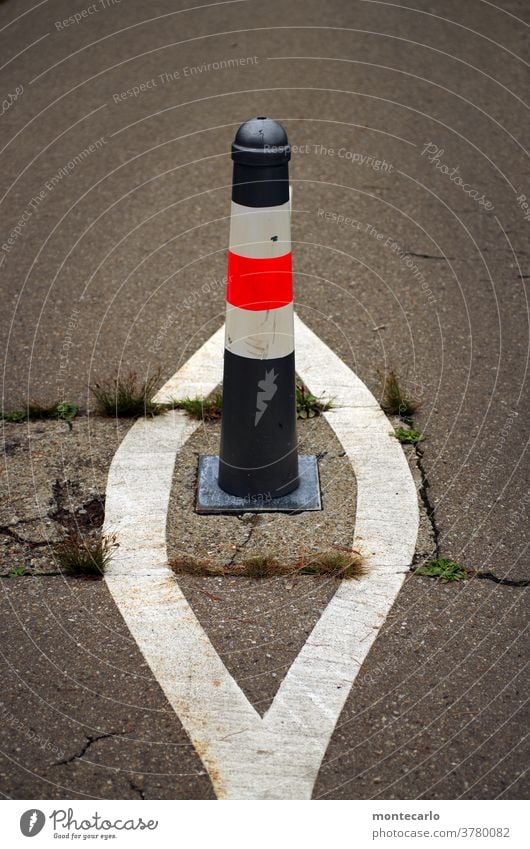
(84, 555)
(204, 409)
(61, 410)
(128, 396)
(262, 566)
(408, 436)
(211, 408)
(340, 565)
(444, 570)
(396, 401)
(194, 566)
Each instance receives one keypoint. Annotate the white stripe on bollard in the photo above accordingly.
(260, 334)
(260, 233)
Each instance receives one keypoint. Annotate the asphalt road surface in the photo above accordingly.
(410, 246)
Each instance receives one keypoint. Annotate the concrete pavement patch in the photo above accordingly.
(53, 479)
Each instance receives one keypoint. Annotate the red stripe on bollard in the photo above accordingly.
(259, 284)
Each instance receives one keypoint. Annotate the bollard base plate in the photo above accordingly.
(212, 499)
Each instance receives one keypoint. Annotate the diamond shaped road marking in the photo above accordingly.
(276, 756)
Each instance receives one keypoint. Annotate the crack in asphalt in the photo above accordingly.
(95, 509)
(7, 531)
(428, 505)
(430, 512)
(136, 789)
(87, 517)
(252, 522)
(428, 256)
(487, 576)
(36, 575)
(507, 582)
(86, 747)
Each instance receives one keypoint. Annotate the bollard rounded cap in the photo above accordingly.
(261, 141)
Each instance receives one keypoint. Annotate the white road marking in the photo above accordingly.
(247, 756)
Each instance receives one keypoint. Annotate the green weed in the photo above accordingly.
(408, 436)
(34, 411)
(211, 408)
(443, 569)
(307, 405)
